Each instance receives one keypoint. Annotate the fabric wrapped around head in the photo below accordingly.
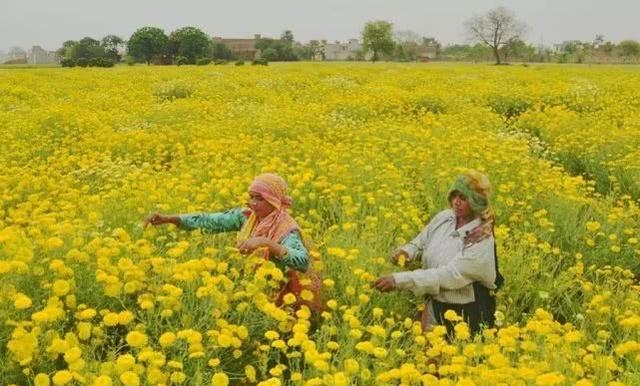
(278, 223)
(476, 188)
(273, 189)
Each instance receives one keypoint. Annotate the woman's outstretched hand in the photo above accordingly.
(399, 257)
(159, 219)
(249, 245)
(385, 283)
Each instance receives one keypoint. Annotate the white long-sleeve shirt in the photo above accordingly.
(449, 266)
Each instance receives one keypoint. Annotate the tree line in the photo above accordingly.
(495, 35)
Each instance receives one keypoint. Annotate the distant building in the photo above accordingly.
(351, 50)
(38, 55)
(426, 53)
(242, 48)
(15, 54)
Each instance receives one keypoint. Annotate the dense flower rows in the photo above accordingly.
(89, 297)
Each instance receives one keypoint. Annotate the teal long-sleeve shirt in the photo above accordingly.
(297, 256)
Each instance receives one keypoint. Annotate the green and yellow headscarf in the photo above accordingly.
(476, 188)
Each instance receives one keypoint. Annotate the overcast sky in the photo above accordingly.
(49, 23)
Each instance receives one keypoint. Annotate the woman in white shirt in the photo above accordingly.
(458, 255)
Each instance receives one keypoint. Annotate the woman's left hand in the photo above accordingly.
(385, 283)
(248, 246)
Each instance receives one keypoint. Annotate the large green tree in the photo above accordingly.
(495, 29)
(377, 38)
(87, 48)
(111, 45)
(220, 51)
(629, 49)
(277, 49)
(146, 43)
(190, 42)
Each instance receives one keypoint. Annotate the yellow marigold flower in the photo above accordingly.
(451, 316)
(380, 353)
(329, 283)
(62, 377)
(175, 365)
(136, 339)
(337, 252)
(125, 362)
(271, 335)
(178, 377)
(125, 317)
(103, 380)
(167, 339)
(220, 379)
(22, 302)
(351, 366)
(84, 330)
(306, 295)
(593, 226)
(498, 361)
(72, 355)
(250, 373)
(129, 378)
(214, 362)
(61, 287)
(550, 379)
(54, 243)
(41, 380)
(270, 382)
(289, 298)
(110, 319)
(89, 313)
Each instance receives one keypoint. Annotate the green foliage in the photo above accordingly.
(270, 54)
(260, 62)
(100, 62)
(173, 90)
(82, 62)
(218, 62)
(189, 42)
(203, 61)
(111, 44)
(240, 63)
(629, 48)
(277, 49)
(85, 48)
(68, 62)
(147, 43)
(377, 37)
(429, 104)
(220, 51)
(181, 60)
(464, 52)
(508, 106)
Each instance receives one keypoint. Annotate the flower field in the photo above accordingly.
(89, 297)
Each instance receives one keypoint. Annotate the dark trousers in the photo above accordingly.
(477, 314)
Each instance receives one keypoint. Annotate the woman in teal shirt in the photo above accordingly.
(265, 227)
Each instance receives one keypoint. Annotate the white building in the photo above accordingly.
(350, 50)
(38, 55)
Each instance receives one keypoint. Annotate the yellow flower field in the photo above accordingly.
(90, 298)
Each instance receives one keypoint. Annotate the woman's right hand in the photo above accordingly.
(399, 257)
(158, 219)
